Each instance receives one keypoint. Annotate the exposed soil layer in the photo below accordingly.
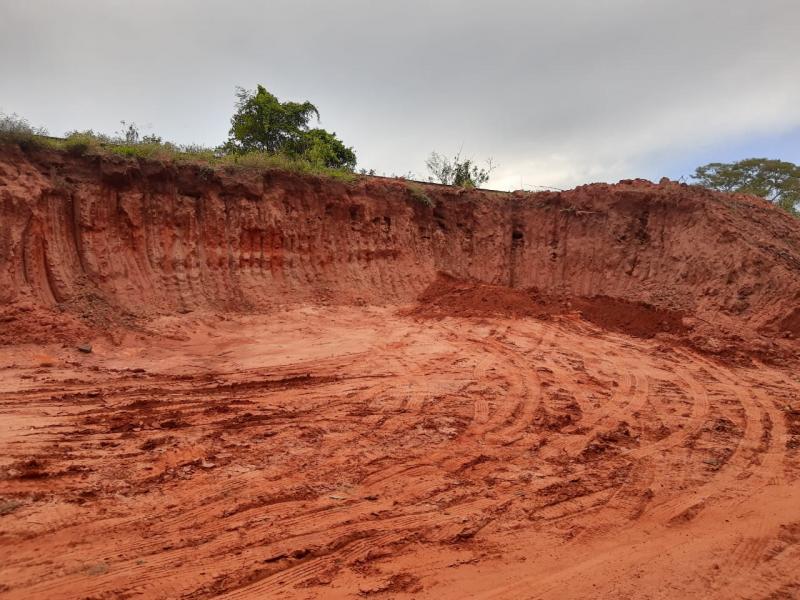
(295, 388)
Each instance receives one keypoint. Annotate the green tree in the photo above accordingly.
(777, 181)
(325, 149)
(262, 123)
(460, 172)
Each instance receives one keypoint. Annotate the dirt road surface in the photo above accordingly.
(355, 452)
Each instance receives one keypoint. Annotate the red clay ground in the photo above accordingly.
(619, 418)
(354, 452)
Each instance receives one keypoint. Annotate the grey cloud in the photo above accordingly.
(557, 92)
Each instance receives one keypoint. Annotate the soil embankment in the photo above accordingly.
(108, 239)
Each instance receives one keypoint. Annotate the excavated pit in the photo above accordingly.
(296, 387)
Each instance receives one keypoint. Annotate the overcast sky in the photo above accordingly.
(558, 92)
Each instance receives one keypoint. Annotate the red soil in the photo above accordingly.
(447, 297)
(305, 389)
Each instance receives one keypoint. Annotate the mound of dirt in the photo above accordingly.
(638, 319)
(30, 324)
(449, 297)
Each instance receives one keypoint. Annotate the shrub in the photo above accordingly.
(460, 172)
(83, 142)
(16, 130)
(325, 149)
(418, 194)
(152, 150)
(264, 161)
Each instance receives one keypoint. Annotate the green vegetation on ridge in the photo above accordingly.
(265, 134)
(264, 124)
(461, 172)
(777, 181)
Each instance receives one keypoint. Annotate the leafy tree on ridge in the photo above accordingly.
(777, 181)
(262, 123)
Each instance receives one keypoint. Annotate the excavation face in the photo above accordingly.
(255, 385)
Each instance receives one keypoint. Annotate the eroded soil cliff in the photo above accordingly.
(103, 238)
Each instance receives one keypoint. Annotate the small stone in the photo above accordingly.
(85, 348)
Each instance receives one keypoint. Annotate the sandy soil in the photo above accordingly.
(357, 452)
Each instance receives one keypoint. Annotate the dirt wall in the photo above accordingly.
(87, 236)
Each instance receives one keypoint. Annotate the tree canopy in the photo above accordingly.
(324, 148)
(775, 180)
(262, 123)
